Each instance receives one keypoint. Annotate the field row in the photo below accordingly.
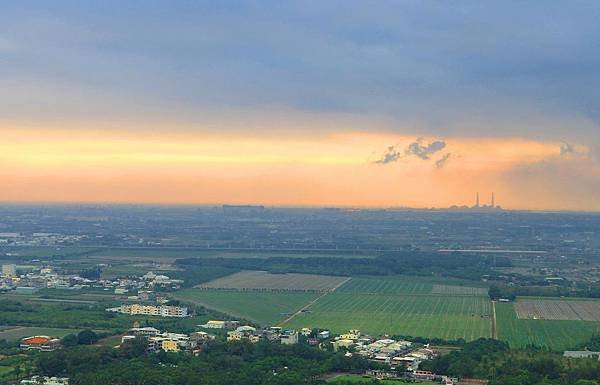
(265, 308)
(555, 334)
(409, 285)
(262, 280)
(18, 332)
(427, 316)
(546, 309)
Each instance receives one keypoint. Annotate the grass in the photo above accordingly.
(264, 308)
(375, 305)
(552, 334)
(447, 317)
(259, 280)
(4, 370)
(407, 285)
(387, 285)
(17, 333)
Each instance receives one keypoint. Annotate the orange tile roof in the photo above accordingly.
(36, 340)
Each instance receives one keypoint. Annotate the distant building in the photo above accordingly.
(215, 324)
(41, 343)
(289, 337)
(9, 270)
(248, 333)
(161, 311)
(26, 290)
(168, 342)
(36, 380)
(581, 354)
(324, 335)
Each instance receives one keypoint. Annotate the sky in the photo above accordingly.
(307, 103)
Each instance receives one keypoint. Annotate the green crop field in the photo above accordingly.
(17, 333)
(553, 334)
(445, 317)
(413, 285)
(387, 285)
(262, 307)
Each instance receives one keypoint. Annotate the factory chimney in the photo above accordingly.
(477, 202)
(493, 203)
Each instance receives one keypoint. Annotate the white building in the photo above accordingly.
(289, 337)
(9, 270)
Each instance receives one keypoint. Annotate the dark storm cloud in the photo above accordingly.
(455, 68)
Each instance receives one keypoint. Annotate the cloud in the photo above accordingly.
(391, 155)
(567, 148)
(570, 183)
(418, 148)
(443, 160)
(424, 151)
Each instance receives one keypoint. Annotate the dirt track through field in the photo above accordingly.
(301, 310)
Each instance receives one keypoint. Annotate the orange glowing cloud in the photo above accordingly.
(335, 168)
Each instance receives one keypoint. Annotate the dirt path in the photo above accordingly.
(303, 308)
(494, 331)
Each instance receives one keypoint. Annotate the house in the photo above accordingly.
(424, 375)
(353, 335)
(36, 380)
(581, 354)
(244, 333)
(201, 337)
(42, 343)
(170, 342)
(214, 324)
(324, 335)
(342, 343)
(289, 337)
(162, 311)
(144, 332)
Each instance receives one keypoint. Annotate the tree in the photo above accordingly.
(70, 340)
(87, 337)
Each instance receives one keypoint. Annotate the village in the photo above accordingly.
(400, 358)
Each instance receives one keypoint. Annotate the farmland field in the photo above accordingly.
(387, 285)
(448, 317)
(555, 309)
(554, 334)
(259, 280)
(16, 333)
(262, 307)
(458, 290)
(412, 285)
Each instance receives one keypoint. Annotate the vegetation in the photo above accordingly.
(467, 266)
(349, 379)
(220, 363)
(551, 334)
(261, 307)
(58, 319)
(447, 317)
(491, 359)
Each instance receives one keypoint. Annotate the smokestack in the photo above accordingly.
(477, 203)
(493, 203)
